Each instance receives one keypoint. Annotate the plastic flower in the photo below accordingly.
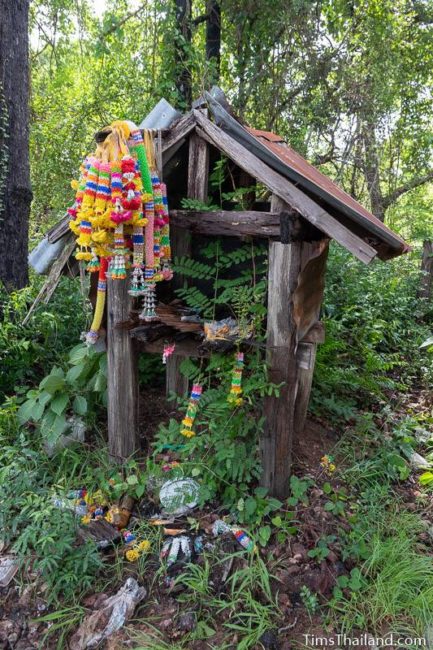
(327, 464)
(132, 555)
(188, 433)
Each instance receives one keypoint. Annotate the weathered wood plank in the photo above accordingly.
(54, 276)
(58, 230)
(284, 189)
(306, 356)
(198, 170)
(226, 222)
(176, 136)
(122, 376)
(284, 264)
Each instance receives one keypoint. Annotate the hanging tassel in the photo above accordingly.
(234, 398)
(117, 266)
(191, 411)
(93, 333)
(149, 314)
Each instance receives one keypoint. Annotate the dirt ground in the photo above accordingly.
(22, 603)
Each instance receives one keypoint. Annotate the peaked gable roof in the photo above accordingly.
(273, 151)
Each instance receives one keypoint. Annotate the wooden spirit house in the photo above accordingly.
(305, 211)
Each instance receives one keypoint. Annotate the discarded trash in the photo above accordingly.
(220, 528)
(135, 548)
(8, 568)
(174, 531)
(76, 432)
(101, 532)
(173, 547)
(179, 496)
(110, 618)
(119, 515)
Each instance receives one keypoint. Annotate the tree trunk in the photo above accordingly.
(213, 39)
(372, 171)
(182, 46)
(426, 284)
(15, 188)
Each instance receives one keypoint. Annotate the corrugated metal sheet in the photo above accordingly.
(294, 160)
(273, 151)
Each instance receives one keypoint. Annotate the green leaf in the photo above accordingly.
(80, 405)
(44, 398)
(59, 404)
(196, 471)
(265, 533)
(327, 488)
(73, 373)
(250, 506)
(78, 354)
(132, 480)
(53, 426)
(25, 412)
(52, 383)
(139, 490)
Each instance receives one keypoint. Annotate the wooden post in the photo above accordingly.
(122, 375)
(306, 356)
(198, 170)
(276, 443)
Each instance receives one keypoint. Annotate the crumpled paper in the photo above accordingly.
(110, 617)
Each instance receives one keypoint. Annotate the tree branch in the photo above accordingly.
(407, 187)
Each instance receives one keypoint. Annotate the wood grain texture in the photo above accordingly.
(54, 276)
(229, 223)
(284, 265)
(122, 377)
(306, 356)
(176, 136)
(284, 189)
(198, 170)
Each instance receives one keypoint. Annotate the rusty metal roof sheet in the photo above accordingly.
(272, 150)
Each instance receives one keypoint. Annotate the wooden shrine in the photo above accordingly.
(306, 210)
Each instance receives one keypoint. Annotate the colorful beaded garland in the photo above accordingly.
(120, 215)
(234, 398)
(191, 411)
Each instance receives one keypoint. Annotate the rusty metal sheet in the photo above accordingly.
(273, 151)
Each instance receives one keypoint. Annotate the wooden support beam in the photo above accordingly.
(284, 264)
(54, 276)
(282, 226)
(229, 223)
(198, 169)
(176, 136)
(284, 189)
(122, 376)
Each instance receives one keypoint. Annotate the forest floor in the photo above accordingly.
(228, 598)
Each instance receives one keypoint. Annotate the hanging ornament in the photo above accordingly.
(114, 218)
(234, 398)
(93, 333)
(191, 411)
(169, 348)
